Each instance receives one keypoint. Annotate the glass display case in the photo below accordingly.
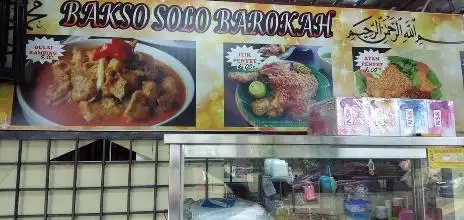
(217, 176)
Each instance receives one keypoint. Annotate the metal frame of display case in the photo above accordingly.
(295, 146)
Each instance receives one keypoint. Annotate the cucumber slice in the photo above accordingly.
(257, 89)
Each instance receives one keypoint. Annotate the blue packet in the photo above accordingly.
(413, 117)
(218, 203)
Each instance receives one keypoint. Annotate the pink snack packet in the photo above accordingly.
(441, 118)
(339, 116)
(384, 117)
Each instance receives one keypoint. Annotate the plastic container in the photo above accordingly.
(279, 169)
(397, 206)
(357, 209)
(406, 214)
(381, 212)
(267, 166)
(388, 205)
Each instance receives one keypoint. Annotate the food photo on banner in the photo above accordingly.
(400, 73)
(272, 85)
(90, 81)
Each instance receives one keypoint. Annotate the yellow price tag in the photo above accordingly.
(446, 157)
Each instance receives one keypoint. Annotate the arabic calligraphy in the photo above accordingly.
(34, 16)
(386, 29)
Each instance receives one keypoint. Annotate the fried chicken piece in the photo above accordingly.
(275, 68)
(58, 92)
(60, 70)
(78, 57)
(118, 89)
(165, 102)
(301, 68)
(89, 69)
(167, 95)
(144, 62)
(149, 90)
(132, 79)
(138, 107)
(276, 105)
(243, 77)
(293, 90)
(422, 72)
(168, 85)
(114, 65)
(106, 108)
(89, 54)
(60, 89)
(114, 85)
(84, 88)
(391, 84)
(260, 106)
(272, 50)
(372, 87)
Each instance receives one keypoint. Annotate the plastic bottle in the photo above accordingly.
(381, 212)
(371, 167)
(389, 209)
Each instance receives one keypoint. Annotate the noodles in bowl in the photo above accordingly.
(108, 82)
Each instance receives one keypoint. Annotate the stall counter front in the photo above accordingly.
(309, 177)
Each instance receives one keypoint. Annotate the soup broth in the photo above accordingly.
(67, 113)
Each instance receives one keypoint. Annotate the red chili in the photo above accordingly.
(117, 49)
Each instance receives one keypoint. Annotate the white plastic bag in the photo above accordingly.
(240, 211)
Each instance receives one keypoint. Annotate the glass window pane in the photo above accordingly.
(31, 202)
(443, 193)
(88, 201)
(163, 174)
(6, 204)
(61, 175)
(115, 200)
(33, 176)
(89, 175)
(143, 174)
(7, 177)
(142, 199)
(116, 174)
(8, 151)
(60, 202)
(34, 151)
(295, 188)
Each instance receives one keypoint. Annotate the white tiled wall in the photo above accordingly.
(89, 175)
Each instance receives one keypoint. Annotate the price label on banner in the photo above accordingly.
(446, 157)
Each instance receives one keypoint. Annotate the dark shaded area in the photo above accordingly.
(95, 151)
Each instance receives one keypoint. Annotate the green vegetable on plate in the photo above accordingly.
(257, 89)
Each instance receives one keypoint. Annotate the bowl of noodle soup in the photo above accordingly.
(149, 89)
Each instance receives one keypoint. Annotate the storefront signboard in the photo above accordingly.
(223, 66)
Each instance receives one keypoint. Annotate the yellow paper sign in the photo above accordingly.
(6, 104)
(446, 157)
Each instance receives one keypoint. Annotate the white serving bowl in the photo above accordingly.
(34, 118)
